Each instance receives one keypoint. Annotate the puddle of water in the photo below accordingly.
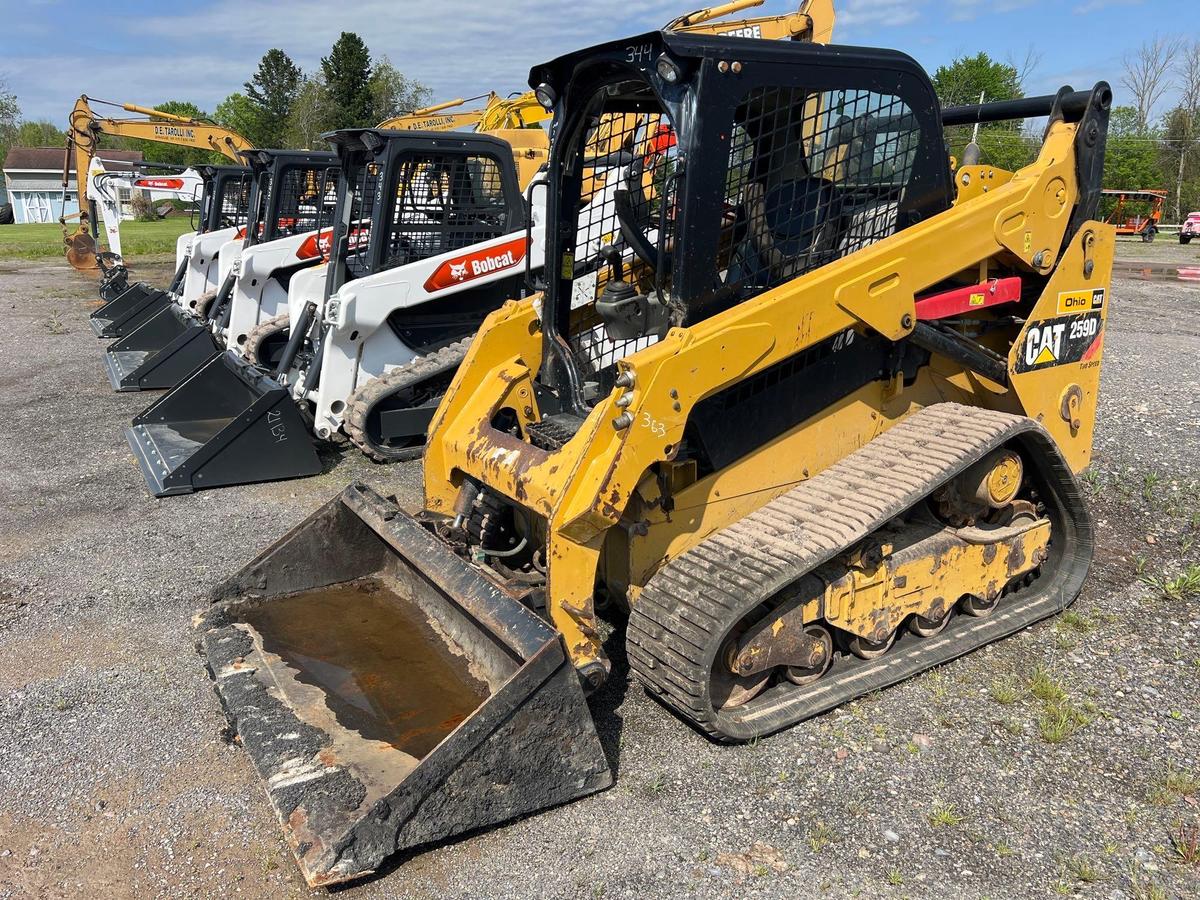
(386, 674)
(1156, 271)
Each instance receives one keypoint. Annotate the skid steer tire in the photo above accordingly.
(259, 335)
(202, 303)
(440, 365)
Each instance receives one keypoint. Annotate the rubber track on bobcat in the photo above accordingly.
(362, 400)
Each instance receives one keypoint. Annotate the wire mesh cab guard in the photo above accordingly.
(804, 154)
(291, 193)
(223, 204)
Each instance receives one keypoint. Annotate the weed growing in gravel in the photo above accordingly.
(1173, 785)
(55, 324)
(895, 877)
(1005, 691)
(1142, 889)
(1181, 587)
(820, 837)
(1150, 481)
(1043, 686)
(1185, 841)
(1003, 850)
(656, 786)
(1059, 720)
(944, 815)
(1075, 621)
(1013, 727)
(1081, 868)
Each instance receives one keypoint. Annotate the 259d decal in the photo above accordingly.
(1058, 341)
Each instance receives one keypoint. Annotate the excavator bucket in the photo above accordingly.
(225, 423)
(390, 695)
(129, 309)
(160, 352)
(80, 248)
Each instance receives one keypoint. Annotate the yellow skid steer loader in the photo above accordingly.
(820, 435)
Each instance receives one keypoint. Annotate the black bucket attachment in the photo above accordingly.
(388, 694)
(226, 423)
(160, 352)
(129, 309)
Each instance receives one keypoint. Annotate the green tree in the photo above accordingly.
(1180, 160)
(10, 115)
(237, 113)
(962, 83)
(40, 133)
(272, 91)
(392, 93)
(1131, 158)
(347, 71)
(309, 117)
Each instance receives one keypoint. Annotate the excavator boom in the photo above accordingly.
(83, 138)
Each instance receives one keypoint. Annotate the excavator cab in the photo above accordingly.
(802, 406)
(291, 193)
(224, 203)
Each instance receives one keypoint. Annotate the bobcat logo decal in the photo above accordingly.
(458, 271)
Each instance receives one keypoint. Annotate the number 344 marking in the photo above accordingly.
(655, 426)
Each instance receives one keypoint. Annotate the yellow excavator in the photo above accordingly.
(815, 428)
(83, 139)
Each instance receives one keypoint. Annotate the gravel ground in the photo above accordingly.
(1064, 761)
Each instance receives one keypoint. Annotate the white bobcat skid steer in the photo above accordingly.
(293, 191)
(223, 209)
(445, 243)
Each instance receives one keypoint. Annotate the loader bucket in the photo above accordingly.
(160, 352)
(225, 423)
(388, 694)
(129, 309)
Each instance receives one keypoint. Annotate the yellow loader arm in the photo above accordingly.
(83, 135)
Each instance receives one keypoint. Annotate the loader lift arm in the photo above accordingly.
(83, 137)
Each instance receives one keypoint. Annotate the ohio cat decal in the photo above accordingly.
(1058, 341)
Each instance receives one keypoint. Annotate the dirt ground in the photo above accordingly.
(1063, 761)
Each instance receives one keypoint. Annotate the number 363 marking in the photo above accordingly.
(655, 426)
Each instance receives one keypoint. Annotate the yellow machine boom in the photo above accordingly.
(83, 139)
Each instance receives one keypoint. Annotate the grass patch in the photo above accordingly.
(1185, 841)
(1044, 687)
(1059, 720)
(1186, 584)
(1174, 784)
(1005, 691)
(820, 837)
(44, 241)
(1081, 868)
(944, 815)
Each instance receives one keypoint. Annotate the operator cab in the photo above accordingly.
(225, 198)
(669, 209)
(294, 192)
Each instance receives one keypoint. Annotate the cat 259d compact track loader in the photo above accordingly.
(831, 441)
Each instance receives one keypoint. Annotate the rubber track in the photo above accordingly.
(687, 608)
(261, 332)
(201, 304)
(413, 372)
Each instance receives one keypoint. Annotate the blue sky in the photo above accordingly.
(136, 51)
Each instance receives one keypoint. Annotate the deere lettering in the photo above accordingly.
(173, 131)
(746, 31)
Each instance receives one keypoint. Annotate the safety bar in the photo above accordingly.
(1072, 104)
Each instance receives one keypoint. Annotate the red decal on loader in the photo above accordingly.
(318, 244)
(164, 184)
(477, 264)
